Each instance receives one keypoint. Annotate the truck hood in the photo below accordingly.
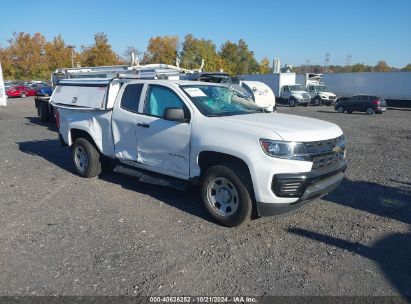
(288, 127)
(328, 94)
(298, 92)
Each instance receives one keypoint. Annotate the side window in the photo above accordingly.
(286, 89)
(131, 97)
(159, 98)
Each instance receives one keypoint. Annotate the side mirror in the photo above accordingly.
(174, 114)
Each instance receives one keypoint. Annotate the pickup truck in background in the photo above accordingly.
(246, 161)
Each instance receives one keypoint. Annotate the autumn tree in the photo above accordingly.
(194, 50)
(100, 53)
(25, 58)
(265, 66)
(161, 50)
(382, 66)
(58, 54)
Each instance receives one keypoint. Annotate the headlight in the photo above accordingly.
(286, 150)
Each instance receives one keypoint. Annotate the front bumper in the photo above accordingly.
(312, 185)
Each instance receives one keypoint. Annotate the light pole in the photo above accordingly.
(72, 54)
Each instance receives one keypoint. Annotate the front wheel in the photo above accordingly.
(291, 103)
(340, 109)
(86, 158)
(226, 195)
(23, 95)
(370, 111)
(316, 102)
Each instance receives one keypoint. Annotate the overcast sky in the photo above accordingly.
(295, 31)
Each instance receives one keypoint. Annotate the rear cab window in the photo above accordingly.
(131, 97)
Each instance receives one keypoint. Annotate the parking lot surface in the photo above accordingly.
(64, 235)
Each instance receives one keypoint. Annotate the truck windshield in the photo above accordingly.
(322, 88)
(214, 100)
(296, 87)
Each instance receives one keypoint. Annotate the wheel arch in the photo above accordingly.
(76, 133)
(207, 159)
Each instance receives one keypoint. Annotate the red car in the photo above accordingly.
(20, 91)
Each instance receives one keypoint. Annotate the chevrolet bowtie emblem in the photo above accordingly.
(336, 149)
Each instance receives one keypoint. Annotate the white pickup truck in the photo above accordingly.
(247, 162)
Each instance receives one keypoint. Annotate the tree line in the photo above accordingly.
(33, 57)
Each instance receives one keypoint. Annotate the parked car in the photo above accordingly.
(245, 160)
(44, 91)
(20, 91)
(362, 103)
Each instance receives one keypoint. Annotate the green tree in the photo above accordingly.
(194, 50)
(161, 50)
(238, 59)
(360, 67)
(407, 68)
(100, 53)
(265, 66)
(382, 66)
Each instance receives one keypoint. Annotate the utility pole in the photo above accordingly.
(327, 61)
(72, 54)
(348, 62)
(307, 64)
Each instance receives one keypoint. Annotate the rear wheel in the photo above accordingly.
(226, 193)
(86, 158)
(340, 109)
(23, 95)
(43, 112)
(370, 111)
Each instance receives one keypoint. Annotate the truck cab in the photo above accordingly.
(321, 95)
(295, 95)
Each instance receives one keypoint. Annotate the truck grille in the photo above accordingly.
(326, 153)
(333, 97)
(306, 97)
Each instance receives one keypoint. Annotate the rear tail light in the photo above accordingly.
(376, 102)
(58, 119)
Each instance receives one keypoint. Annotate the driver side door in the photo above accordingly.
(163, 146)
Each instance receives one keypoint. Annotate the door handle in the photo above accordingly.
(143, 125)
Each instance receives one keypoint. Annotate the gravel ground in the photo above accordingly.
(64, 235)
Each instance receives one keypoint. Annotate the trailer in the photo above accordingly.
(394, 87)
(284, 86)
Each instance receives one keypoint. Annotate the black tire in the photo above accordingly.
(292, 103)
(350, 111)
(23, 95)
(316, 101)
(340, 109)
(43, 112)
(89, 164)
(230, 174)
(305, 105)
(370, 111)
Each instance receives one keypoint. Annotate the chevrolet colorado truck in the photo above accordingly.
(246, 161)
